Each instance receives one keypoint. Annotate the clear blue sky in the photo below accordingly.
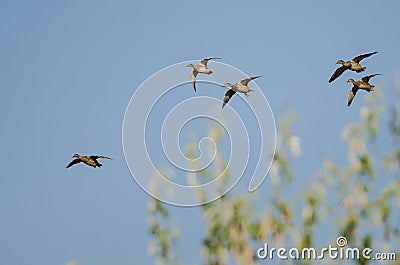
(69, 68)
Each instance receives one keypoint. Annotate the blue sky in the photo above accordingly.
(69, 68)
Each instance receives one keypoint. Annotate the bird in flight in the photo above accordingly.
(202, 68)
(238, 87)
(353, 65)
(88, 160)
(360, 84)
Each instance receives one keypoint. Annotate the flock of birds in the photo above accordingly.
(241, 87)
(354, 65)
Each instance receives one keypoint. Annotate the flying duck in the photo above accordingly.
(202, 68)
(360, 84)
(238, 87)
(353, 65)
(88, 160)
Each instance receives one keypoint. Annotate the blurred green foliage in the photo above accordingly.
(337, 200)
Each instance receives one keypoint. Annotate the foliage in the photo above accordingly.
(359, 201)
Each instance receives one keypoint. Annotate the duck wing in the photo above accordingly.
(73, 162)
(228, 96)
(368, 77)
(337, 73)
(247, 80)
(193, 79)
(94, 157)
(205, 60)
(352, 94)
(362, 56)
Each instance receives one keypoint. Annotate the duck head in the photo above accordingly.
(340, 62)
(190, 65)
(75, 156)
(227, 85)
(350, 80)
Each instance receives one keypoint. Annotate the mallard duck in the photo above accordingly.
(360, 84)
(353, 65)
(202, 68)
(238, 87)
(88, 160)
